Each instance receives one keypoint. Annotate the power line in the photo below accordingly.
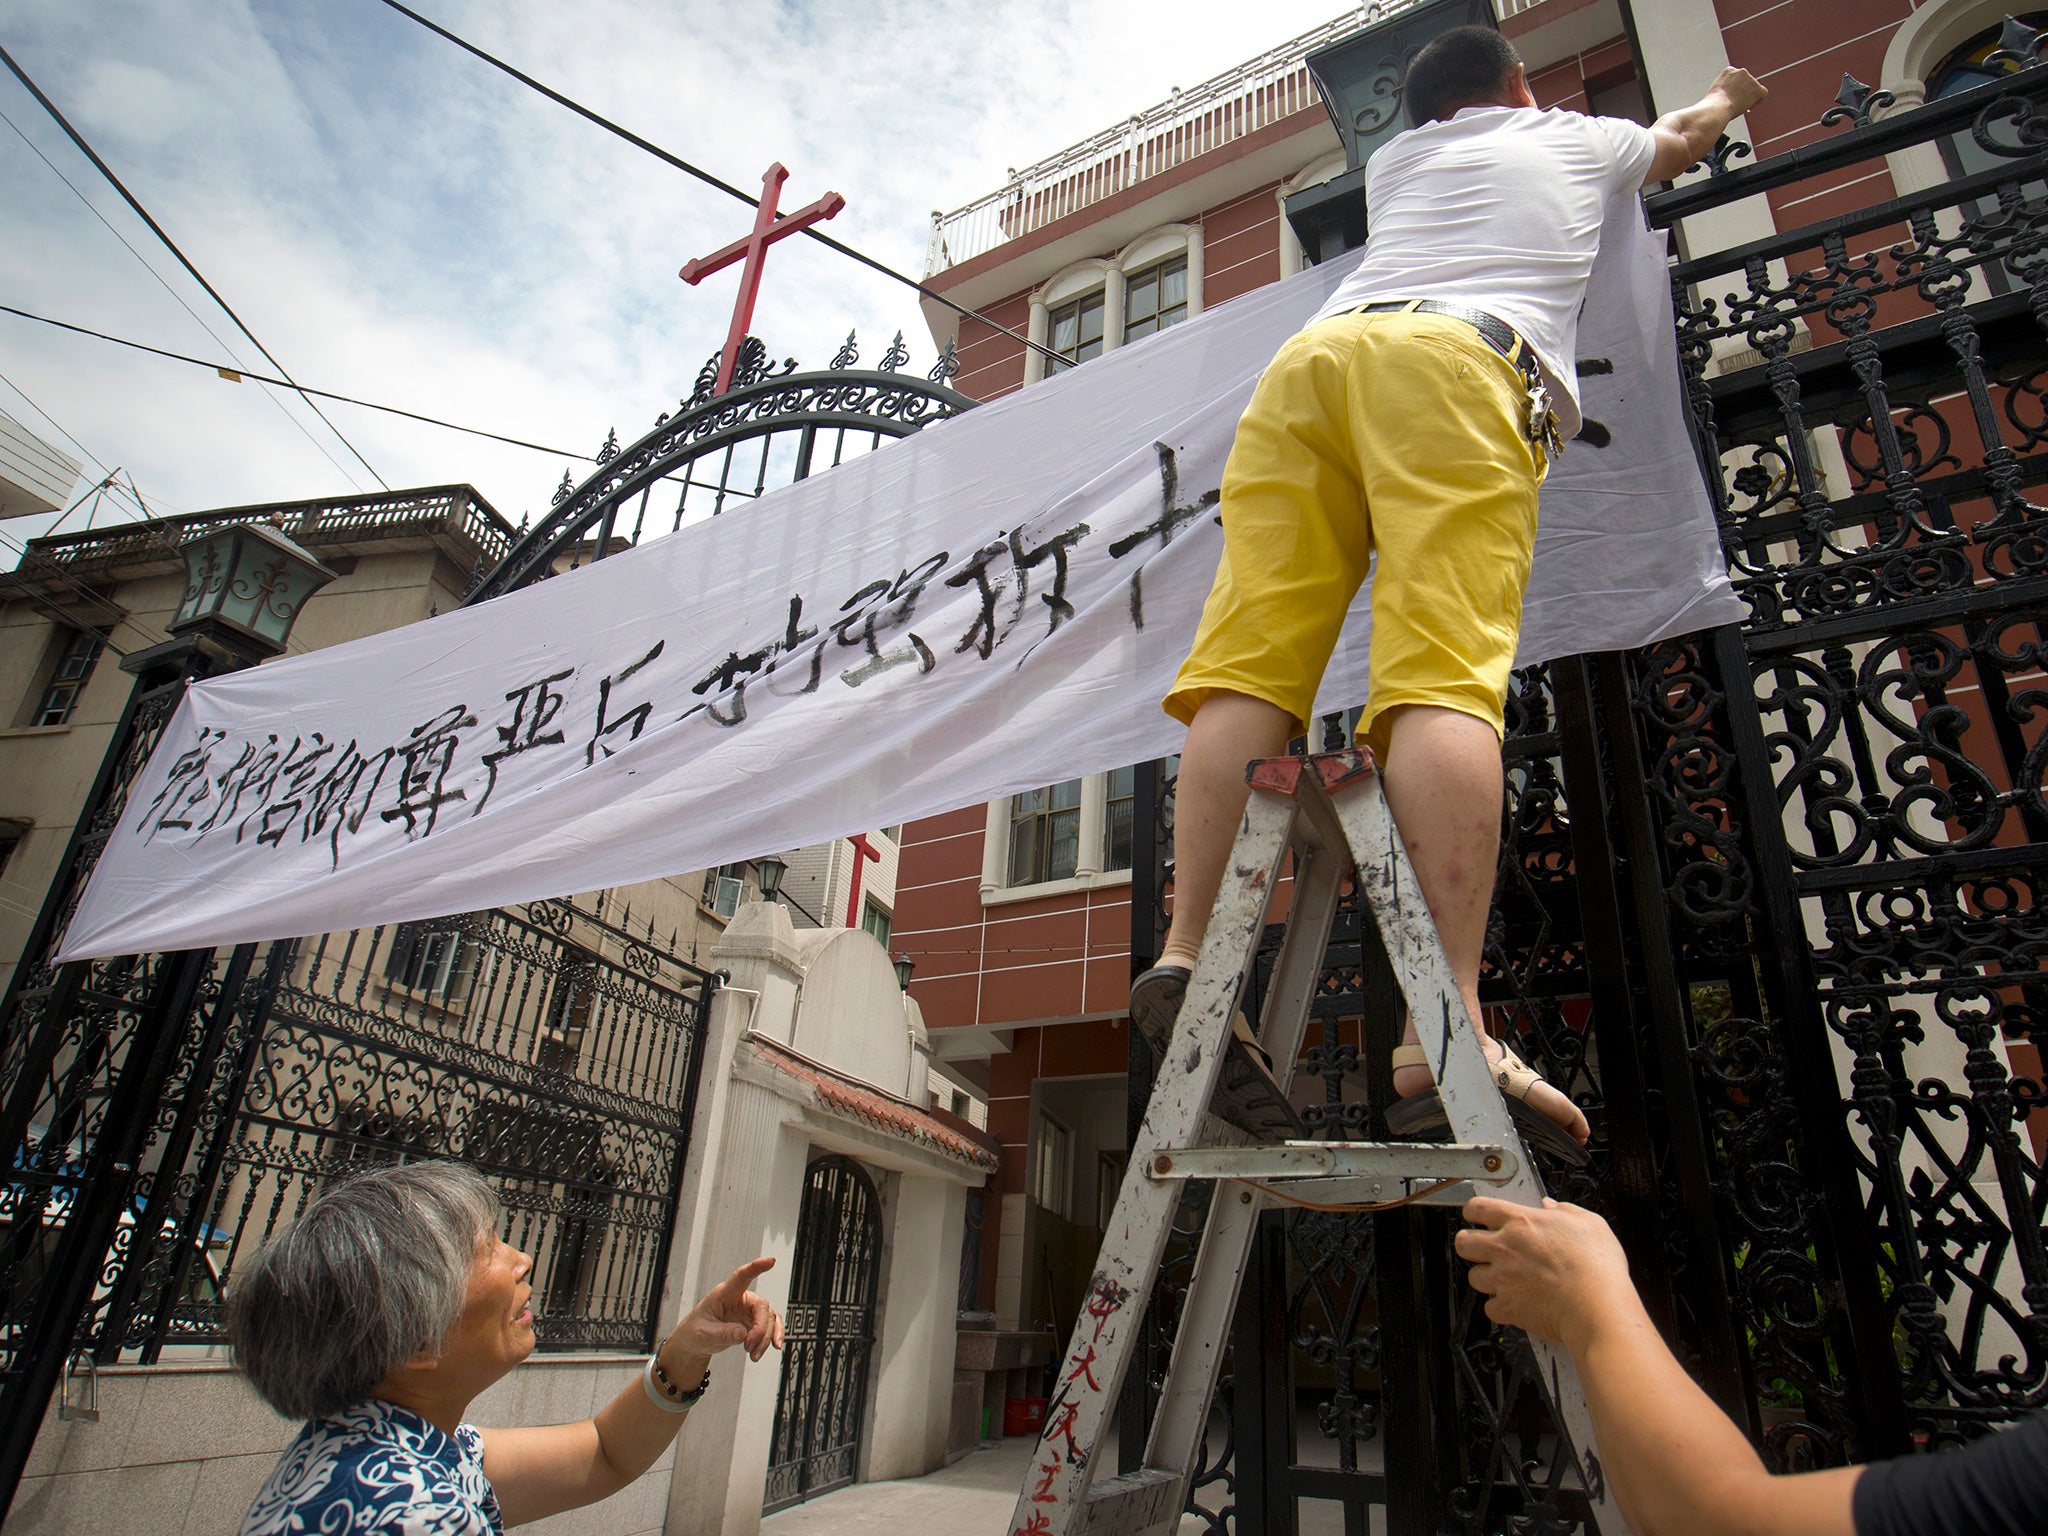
(238, 375)
(51, 571)
(58, 427)
(58, 172)
(58, 574)
(95, 492)
(712, 181)
(157, 229)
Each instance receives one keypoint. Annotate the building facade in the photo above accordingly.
(1018, 913)
(655, 1077)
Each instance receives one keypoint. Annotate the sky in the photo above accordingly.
(401, 223)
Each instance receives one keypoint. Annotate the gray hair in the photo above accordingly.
(373, 1272)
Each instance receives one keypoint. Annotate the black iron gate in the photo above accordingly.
(164, 1113)
(828, 1335)
(1767, 906)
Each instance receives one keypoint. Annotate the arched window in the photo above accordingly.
(1098, 305)
(1965, 69)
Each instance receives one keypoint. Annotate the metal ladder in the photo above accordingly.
(1330, 810)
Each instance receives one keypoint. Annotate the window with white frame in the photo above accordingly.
(724, 888)
(437, 960)
(1052, 1171)
(875, 919)
(570, 1001)
(1066, 836)
(1045, 834)
(1074, 330)
(1965, 69)
(1117, 802)
(1156, 297)
(73, 654)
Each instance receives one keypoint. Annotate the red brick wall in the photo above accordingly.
(1800, 50)
(1012, 963)
(1565, 83)
(991, 364)
(1241, 245)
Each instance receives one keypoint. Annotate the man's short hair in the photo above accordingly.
(1463, 67)
(372, 1273)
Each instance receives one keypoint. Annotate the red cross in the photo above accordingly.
(769, 227)
(864, 851)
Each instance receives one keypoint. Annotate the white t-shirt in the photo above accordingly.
(1498, 209)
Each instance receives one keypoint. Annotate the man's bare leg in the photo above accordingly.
(1443, 785)
(1229, 730)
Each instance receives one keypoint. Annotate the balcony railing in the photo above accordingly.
(451, 509)
(1239, 102)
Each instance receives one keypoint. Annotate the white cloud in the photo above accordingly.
(401, 223)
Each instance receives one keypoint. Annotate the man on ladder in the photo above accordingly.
(1413, 419)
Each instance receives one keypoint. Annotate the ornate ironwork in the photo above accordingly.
(1855, 103)
(1721, 157)
(1767, 903)
(773, 426)
(828, 1335)
(558, 1059)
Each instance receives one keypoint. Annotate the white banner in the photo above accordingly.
(994, 604)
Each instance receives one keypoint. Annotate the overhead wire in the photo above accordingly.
(238, 375)
(171, 245)
(710, 180)
(58, 427)
(96, 491)
(47, 570)
(76, 191)
(57, 574)
(71, 619)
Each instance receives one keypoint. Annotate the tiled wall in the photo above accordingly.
(134, 1473)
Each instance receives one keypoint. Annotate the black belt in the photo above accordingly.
(1541, 422)
(1497, 333)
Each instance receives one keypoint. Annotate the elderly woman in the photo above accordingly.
(382, 1312)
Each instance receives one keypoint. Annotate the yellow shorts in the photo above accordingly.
(1399, 435)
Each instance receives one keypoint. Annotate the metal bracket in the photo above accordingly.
(88, 1411)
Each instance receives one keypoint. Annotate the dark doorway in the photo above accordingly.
(829, 1332)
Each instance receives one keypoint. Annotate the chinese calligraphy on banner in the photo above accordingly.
(996, 603)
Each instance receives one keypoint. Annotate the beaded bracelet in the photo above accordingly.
(665, 1394)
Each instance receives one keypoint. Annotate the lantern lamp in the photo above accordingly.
(245, 583)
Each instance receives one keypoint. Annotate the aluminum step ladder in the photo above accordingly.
(1330, 810)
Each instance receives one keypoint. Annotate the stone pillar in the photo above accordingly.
(741, 1193)
(1094, 814)
(722, 1454)
(1291, 258)
(1196, 236)
(995, 848)
(1112, 309)
(1035, 333)
(914, 1335)
(1682, 51)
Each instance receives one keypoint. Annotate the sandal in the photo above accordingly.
(1421, 1113)
(1248, 1096)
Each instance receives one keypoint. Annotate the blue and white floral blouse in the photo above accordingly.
(377, 1470)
